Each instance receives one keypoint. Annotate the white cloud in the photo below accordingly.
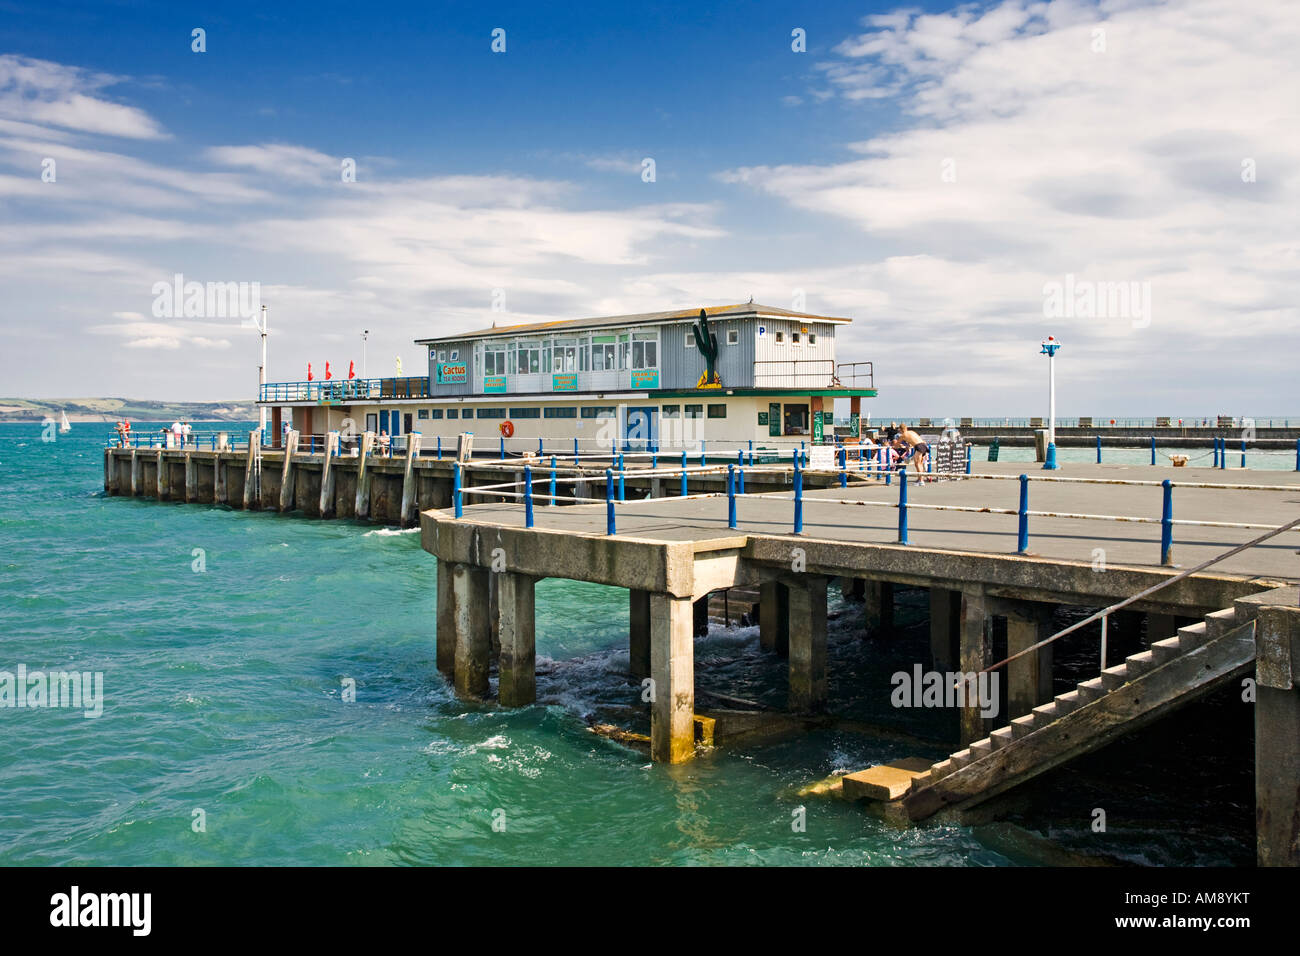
(51, 94)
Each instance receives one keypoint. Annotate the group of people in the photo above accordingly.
(906, 445)
(181, 432)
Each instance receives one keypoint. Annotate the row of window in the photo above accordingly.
(568, 411)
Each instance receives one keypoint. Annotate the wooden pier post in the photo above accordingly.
(252, 469)
(516, 636)
(161, 482)
(1277, 734)
(975, 653)
(638, 617)
(473, 629)
(808, 644)
(878, 608)
(672, 672)
(326, 508)
(362, 506)
(1029, 678)
(408, 479)
(286, 470)
(945, 613)
(774, 618)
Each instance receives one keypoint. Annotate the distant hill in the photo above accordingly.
(115, 409)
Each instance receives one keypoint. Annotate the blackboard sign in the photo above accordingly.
(762, 418)
(993, 449)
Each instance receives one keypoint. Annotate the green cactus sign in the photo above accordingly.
(707, 342)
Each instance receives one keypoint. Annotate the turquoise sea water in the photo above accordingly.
(224, 694)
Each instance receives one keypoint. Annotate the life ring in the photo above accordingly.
(507, 428)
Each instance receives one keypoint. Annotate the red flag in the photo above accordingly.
(351, 372)
(327, 372)
(309, 371)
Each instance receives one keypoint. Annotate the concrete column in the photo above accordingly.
(1160, 627)
(252, 468)
(408, 479)
(638, 615)
(774, 618)
(286, 471)
(362, 505)
(494, 579)
(445, 635)
(326, 507)
(1029, 678)
(1277, 736)
(944, 624)
(220, 490)
(516, 635)
(808, 644)
(191, 478)
(878, 608)
(162, 487)
(656, 487)
(473, 629)
(672, 670)
(135, 472)
(976, 653)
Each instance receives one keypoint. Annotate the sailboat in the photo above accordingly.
(65, 426)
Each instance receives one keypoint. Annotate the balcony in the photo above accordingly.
(345, 390)
(813, 374)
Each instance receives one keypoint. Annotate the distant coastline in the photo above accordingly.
(115, 409)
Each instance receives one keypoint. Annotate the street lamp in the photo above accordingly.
(1050, 347)
(260, 325)
(365, 333)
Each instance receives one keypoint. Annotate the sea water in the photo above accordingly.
(270, 697)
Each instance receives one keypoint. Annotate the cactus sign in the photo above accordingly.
(707, 342)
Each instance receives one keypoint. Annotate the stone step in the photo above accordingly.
(1090, 690)
(942, 769)
(1113, 678)
(981, 748)
(1192, 636)
(1000, 737)
(1166, 650)
(1139, 664)
(1067, 702)
(1044, 714)
(960, 759)
(886, 781)
(1218, 623)
(1022, 726)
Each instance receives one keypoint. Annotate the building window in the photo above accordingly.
(780, 337)
(690, 340)
(645, 350)
(604, 351)
(453, 355)
(453, 413)
(442, 355)
(435, 413)
(672, 411)
(491, 413)
(525, 413)
(598, 411)
(530, 359)
(733, 336)
(794, 338)
(422, 413)
(812, 338)
(694, 411)
(717, 411)
(562, 411)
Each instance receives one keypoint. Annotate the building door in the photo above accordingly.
(372, 422)
(796, 419)
(406, 424)
(642, 428)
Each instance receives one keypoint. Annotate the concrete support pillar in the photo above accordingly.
(473, 629)
(162, 486)
(494, 579)
(516, 636)
(191, 477)
(656, 487)
(638, 617)
(445, 635)
(878, 608)
(362, 504)
(220, 490)
(852, 589)
(975, 653)
(252, 468)
(1277, 736)
(945, 616)
(700, 616)
(774, 618)
(1160, 627)
(326, 507)
(135, 472)
(286, 471)
(408, 479)
(808, 644)
(1029, 678)
(672, 670)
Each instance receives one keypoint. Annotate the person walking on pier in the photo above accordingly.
(916, 448)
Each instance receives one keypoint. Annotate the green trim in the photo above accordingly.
(745, 392)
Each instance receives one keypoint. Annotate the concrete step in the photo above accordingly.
(1166, 650)
(981, 748)
(886, 781)
(1023, 726)
(1192, 636)
(1044, 714)
(1090, 690)
(960, 759)
(1218, 623)
(1000, 738)
(942, 769)
(1113, 678)
(1067, 702)
(1139, 664)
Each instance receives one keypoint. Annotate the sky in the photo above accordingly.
(960, 180)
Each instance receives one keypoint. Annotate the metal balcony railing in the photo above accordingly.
(345, 390)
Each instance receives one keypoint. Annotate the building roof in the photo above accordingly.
(743, 310)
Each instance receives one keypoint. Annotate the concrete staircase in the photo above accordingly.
(1171, 673)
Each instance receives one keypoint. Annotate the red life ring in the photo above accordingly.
(507, 428)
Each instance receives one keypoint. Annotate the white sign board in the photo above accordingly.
(822, 457)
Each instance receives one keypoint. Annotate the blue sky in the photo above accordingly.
(928, 169)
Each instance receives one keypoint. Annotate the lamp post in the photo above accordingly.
(1050, 346)
(260, 324)
(364, 333)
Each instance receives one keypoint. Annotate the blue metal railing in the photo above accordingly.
(345, 389)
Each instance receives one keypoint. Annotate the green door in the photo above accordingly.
(774, 420)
